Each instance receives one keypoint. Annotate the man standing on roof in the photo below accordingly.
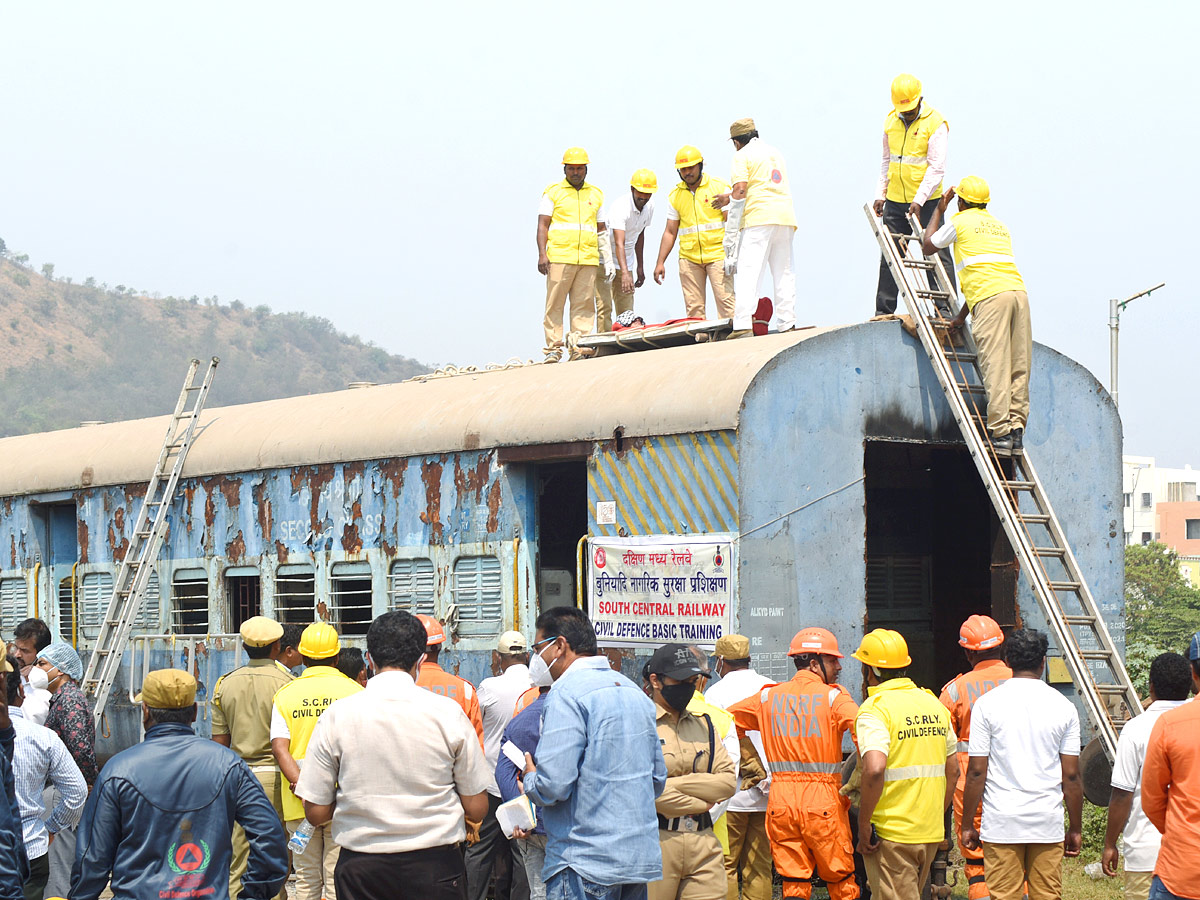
(996, 299)
(572, 239)
(241, 720)
(434, 678)
(983, 642)
(297, 708)
(700, 227)
(909, 769)
(628, 218)
(759, 230)
(802, 723)
(915, 140)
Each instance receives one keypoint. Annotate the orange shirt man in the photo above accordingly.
(802, 723)
(434, 678)
(983, 642)
(1171, 793)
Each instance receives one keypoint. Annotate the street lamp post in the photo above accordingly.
(1115, 307)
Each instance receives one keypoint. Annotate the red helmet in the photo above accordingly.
(980, 633)
(814, 640)
(433, 629)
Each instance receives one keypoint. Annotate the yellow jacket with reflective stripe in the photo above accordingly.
(908, 147)
(572, 236)
(701, 228)
(301, 703)
(983, 256)
(911, 809)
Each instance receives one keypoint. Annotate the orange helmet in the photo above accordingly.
(433, 629)
(814, 640)
(980, 633)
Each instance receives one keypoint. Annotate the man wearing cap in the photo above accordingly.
(746, 817)
(801, 723)
(297, 708)
(71, 719)
(159, 820)
(434, 678)
(498, 697)
(983, 643)
(995, 297)
(572, 240)
(760, 205)
(628, 218)
(915, 141)
(699, 775)
(909, 769)
(700, 227)
(241, 720)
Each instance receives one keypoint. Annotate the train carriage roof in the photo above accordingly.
(667, 391)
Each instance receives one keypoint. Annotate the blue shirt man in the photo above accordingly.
(598, 768)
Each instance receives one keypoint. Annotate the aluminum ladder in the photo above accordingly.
(1014, 488)
(133, 577)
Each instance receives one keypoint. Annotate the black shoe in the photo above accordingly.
(1003, 445)
(1018, 439)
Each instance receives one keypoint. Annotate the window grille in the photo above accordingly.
(410, 586)
(477, 594)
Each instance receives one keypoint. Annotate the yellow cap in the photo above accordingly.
(973, 189)
(259, 631)
(884, 649)
(168, 689)
(740, 127)
(319, 641)
(5, 665)
(687, 155)
(732, 646)
(575, 156)
(645, 181)
(906, 92)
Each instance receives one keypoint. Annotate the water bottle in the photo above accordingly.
(1094, 871)
(300, 837)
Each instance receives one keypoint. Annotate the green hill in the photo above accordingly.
(71, 353)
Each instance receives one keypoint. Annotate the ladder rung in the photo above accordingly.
(1111, 689)
(194, 387)
(1049, 551)
(1034, 518)
(1019, 485)
(1080, 620)
(918, 264)
(958, 357)
(1096, 654)
(970, 388)
(933, 294)
(1064, 586)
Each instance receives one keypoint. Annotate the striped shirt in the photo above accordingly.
(40, 757)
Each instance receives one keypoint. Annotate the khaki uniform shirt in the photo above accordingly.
(241, 708)
(695, 780)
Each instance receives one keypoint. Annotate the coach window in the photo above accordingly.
(66, 608)
(14, 603)
(189, 602)
(295, 594)
(148, 613)
(410, 586)
(95, 590)
(350, 597)
(243, 590)
(477, 594)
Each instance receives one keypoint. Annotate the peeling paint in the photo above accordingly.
(236, 548)
(82, 536)
(393, 471)
(493, 505)
(472, 479)
(431, 475)
(351, 542)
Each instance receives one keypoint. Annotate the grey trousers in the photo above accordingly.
(482, 855)
(62, 858)
(533, 852)
(895, 218)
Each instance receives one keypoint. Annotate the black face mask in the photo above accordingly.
(678, 695)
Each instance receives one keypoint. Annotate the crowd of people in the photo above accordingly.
(386, 776)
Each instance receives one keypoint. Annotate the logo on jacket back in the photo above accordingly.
(188, 854)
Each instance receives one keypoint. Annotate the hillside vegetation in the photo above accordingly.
(74, 352)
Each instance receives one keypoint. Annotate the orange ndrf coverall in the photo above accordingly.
(802, 722)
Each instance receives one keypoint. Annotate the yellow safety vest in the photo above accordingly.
(701, 228)
(983, 256)
(910, 810)
(722, 722)
(572, 236)
(908, 146)
(301, 703)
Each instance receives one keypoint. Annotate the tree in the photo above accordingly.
(1162, 611)
(48, 271)
(3, 248)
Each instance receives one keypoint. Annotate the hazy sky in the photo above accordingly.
(380, 164)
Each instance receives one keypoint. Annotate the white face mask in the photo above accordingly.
(38, 680)
(539, 671)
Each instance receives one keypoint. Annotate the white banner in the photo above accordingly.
(660, 589)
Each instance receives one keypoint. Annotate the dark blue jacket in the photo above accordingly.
(14, 867)
(525, 730)
(160, 820)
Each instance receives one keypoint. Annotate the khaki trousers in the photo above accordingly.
(749, 854)
(1004, 338)
(1137, 885)
(899, 871)
(314, 867)
(611, 301)
(563, 281)
(692, 277)
(1009, 866)
(693, 867)
(269, 779)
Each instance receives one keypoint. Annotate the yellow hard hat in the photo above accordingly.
(883, 649)
(644, 180)
(575, 156)
(319, 641)
(973, 189)
(687, 155)
(906, 92)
